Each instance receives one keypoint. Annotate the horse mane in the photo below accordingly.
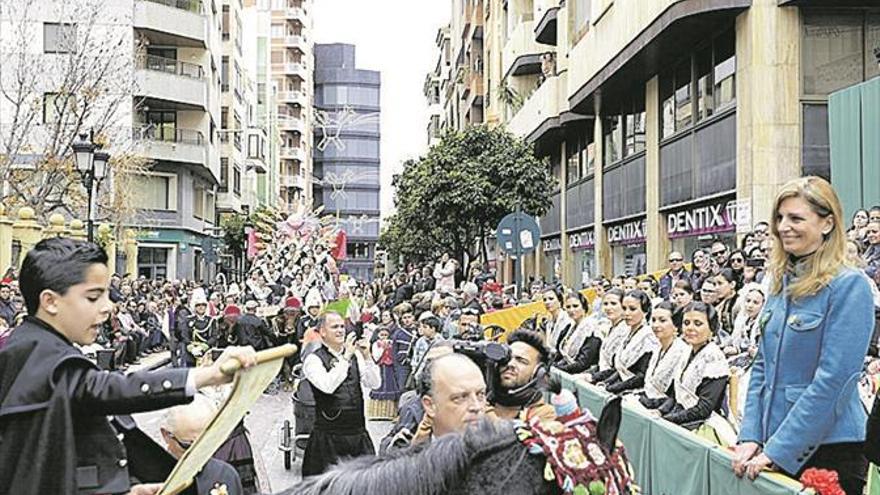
(434, 468)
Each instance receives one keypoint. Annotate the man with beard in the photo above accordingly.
(519, 390)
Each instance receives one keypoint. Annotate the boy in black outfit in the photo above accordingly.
(55, 436)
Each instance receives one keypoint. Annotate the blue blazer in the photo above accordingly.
(803, 387)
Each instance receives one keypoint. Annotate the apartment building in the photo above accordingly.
(347, 151)
(292, 65)
(456, 89)
(188, 75)
(670, 120)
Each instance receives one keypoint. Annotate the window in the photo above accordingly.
(635, 130)
(224, 117)
(838, 50)
(683, 105)
(162, 126)
(254, 147)
(725, 70)
(572, 166)
(154, 192)
(613, 138)
(580, 19)
(224, 175)
(667, 110)
(872, 46)
(199, 202)
(57, 107)
(59, 38)
(224, 23)
(705, 100)
(236, 179)
(152, 262)
(224, 74)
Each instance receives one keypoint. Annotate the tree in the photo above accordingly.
(58, 81)
(459, 191)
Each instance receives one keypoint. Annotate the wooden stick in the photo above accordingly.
(282, 351)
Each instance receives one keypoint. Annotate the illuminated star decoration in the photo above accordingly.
(332, 124)
(358, 223)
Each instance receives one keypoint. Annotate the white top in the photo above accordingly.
(328, 381)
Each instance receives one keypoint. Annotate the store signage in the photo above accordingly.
(582, 240)
(627, 233)
(554, 244)
(705, 219)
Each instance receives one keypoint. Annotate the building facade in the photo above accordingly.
(182, 99)
(292, 65)
(347, 151)
(670, 120)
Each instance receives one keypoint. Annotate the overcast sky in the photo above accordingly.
(395, 37)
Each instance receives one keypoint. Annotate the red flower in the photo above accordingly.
(824, 481)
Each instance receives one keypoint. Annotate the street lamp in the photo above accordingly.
(91, 163)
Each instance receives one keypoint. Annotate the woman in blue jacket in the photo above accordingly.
(802, 408)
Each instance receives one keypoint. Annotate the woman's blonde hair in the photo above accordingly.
(827, 261)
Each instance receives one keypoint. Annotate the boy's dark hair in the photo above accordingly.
(56, 264)
(532, 339)
(433, 322)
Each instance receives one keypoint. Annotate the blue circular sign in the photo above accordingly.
(518, 234)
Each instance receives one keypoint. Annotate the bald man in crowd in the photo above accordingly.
(180, 428)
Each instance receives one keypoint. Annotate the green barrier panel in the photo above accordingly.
(679, 461)
(873, 480)
(636, 435)
(722, 480)
(669, 460)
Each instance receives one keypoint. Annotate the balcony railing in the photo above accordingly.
(194, 6)
(169, 135)
(171, 66)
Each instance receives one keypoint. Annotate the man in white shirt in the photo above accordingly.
(337, 372)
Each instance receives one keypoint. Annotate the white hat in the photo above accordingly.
(313, 298)
(198, 297)
(233, 290)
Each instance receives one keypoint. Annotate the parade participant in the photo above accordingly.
(252, 330)
(522, 381)
(53, 400)
(558, 322)
(181, 425)
(336, 372)
(726, 305)
(201, 334)
(667, 361)
(226, 326)
(803, 408)
(384, 398)
(746, 328)
(179, 331)
(401, 342)
(631, 362)
(284, 327)
(579, 349)
(698, 389)
(310, 319)
(616, 335)
(453, 396)
(444, 274)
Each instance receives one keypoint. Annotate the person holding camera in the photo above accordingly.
(519, 390)
(337, 371)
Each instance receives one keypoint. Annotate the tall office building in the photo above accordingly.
(347, 159)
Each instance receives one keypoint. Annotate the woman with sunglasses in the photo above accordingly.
(579, 348)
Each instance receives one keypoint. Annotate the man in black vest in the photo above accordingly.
(336, 372)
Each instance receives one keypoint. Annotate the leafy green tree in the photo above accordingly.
(451, 199)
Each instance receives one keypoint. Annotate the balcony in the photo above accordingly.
(293, 41)
(296, 96)
(171, 145)
(294, 68)
(292, 153)
(290, 123)
(291, 12)
(180, 83)
(473, 90)
(292, 181)
(173, 22)
(546, 12)
(522, 54)
(540, 113)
